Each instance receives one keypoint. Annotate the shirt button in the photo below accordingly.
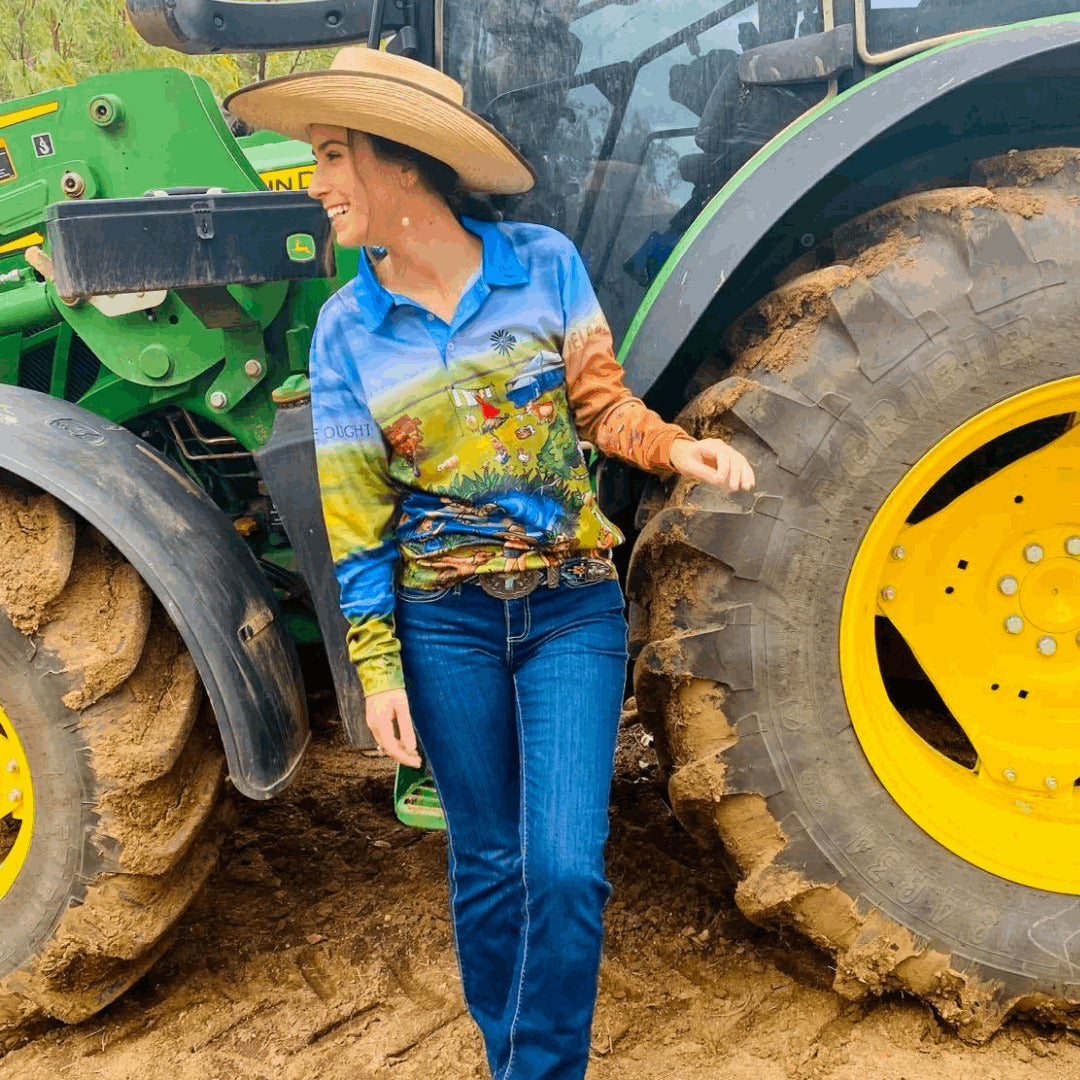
(430, 318)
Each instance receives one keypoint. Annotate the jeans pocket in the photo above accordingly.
(422, 596)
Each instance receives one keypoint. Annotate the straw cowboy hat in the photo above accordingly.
(383, 94)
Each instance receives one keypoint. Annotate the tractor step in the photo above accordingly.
(416, 802)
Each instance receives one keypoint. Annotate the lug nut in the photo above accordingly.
(888, 593)
(1014, 624)
(253, 369)
(12, 766)
(1072, 545)
(1046, 645)
(14, 795)
(219, 399)
(1010, 775)
(899, 552)
(1051, 782)
(1008, 585)
(1033, 553)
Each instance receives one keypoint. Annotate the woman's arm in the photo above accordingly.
(359, 505)
(607, 413)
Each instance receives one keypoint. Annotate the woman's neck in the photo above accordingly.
(430, 256)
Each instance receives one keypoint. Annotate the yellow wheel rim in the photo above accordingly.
(16, 805)
(985, 592)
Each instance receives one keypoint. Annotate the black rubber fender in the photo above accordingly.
(917, 123)
(192, 559)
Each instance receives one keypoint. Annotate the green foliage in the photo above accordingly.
(49, 43)
(474, 489)
(560, 452)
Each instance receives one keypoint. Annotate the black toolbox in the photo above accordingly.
(186, 239)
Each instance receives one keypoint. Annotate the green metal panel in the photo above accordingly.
(126, 134)
(141, 148)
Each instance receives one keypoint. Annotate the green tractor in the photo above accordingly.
(844, 234)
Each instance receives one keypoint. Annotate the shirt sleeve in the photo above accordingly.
(605, 411)
(359, 504)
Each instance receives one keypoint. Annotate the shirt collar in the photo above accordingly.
(499, 266)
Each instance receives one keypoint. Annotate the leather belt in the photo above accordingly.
(519, 583)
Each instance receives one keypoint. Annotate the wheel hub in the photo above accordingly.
(16, 805)
(985, 592)
(1050, 596)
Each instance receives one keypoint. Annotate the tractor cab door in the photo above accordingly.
(633, 114)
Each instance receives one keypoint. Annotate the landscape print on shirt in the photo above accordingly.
(488, 450)
(446, 450)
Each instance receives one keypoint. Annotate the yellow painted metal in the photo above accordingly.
(986, 593)
(29, 240)
(9, 173)
(294, 178)
(31, 113)
(16, 804)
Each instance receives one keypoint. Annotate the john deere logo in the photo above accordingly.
(300, 247)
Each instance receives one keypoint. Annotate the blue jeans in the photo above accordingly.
(516, 703)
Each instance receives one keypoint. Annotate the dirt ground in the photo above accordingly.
(321, 950)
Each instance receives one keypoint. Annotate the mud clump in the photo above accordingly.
(98, 625)
(780, 328)
(1028, 168)
(708, 416)
(37, 537)
(139, 730)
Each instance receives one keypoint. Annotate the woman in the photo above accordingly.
(451, 381)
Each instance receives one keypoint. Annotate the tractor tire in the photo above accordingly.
(110, 769)
(874, 724)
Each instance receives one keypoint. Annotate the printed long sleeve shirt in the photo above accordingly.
(449, 450)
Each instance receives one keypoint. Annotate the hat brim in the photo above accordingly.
(394, 109)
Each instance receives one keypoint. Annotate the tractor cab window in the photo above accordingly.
(891, 24)
(631, 111)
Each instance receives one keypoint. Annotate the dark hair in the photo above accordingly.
(437, 175)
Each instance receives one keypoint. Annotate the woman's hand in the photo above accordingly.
(713, 461)
(390, 721)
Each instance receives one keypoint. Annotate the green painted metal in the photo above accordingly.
(269, 152)
(746, 173)
(27, 304)
(10, 352)
(144, 149)
(416, 802)
(215, 356)
(168, 366)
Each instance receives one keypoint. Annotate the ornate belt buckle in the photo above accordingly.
(598, 570)
(509, 586)
(588, 570)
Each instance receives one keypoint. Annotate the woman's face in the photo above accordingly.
(359, 191)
